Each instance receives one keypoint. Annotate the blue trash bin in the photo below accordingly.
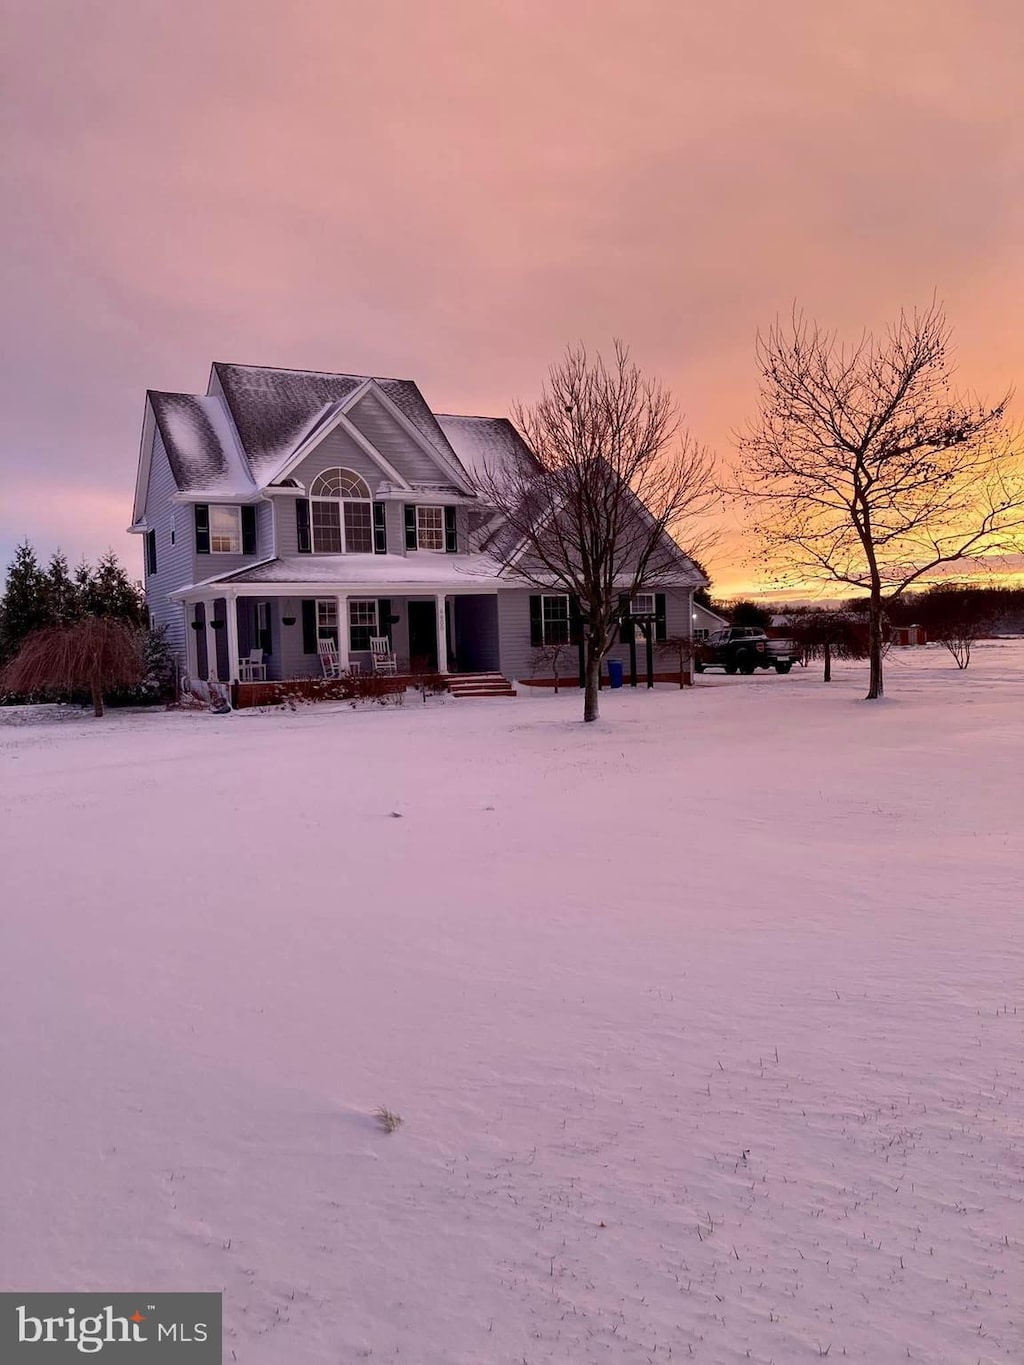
(614, 673)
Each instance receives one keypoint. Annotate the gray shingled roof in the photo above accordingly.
(486, 446)
(274, 410)
(201, 444)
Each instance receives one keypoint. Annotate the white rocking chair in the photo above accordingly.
(252, 668)
(380, 652)
(330, 662)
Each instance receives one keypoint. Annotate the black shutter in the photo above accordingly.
(536, 621)
(451, 538)
(248, 530)
(202, 654)
(380, 529)
(151, 552)
(410, 528)
(202, 528)
(660, 622)
(575, 621)
(302, 540)
(263, 635)
(246, 627)
(384, 616)
(220, 614)
(308, 625)
(627, 631)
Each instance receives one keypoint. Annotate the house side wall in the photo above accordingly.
(286, 534)
(173, 562)
(264, 530)
(517, 655)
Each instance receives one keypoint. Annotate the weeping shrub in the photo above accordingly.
(97, 655)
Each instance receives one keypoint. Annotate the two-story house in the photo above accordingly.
(286, 507)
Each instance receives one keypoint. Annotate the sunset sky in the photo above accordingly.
(451, 191)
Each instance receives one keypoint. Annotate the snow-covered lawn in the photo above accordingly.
(705, 1023)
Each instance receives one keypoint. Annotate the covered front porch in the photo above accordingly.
(241, 637)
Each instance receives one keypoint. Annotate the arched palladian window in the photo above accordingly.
(341, 513)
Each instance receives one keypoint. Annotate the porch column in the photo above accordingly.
(442, 636)
(232, 629)
(211, 644)
(343, 636)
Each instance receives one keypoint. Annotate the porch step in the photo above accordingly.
(480, 685)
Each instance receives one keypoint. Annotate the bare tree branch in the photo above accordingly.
(864, 468)
(615, 479)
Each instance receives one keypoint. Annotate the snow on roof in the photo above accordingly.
(201, 443)
(486, 446)
(274, 410)
(427, 571)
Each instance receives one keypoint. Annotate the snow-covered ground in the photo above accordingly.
(705, 1023)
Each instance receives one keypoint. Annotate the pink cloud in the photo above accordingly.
(454, 191)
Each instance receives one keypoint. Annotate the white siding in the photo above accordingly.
(400, 450)
(338, 451)
(514, 633)
(264, 530)
(173, 562)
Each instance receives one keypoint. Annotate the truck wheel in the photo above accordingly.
(745, 662)
(783, 667)
(730, 668)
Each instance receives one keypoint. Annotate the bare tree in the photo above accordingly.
(555, 656)
(864, 468)
(827, 635)
(681, 650)
(957, 615)
(96, 654)
(615, 476)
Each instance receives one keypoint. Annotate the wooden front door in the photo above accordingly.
(423, 636)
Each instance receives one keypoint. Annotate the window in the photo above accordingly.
(359, 528)
(172, 528)
(643, 604)
(341, 513)
(555, 619)
(151, 552)
(225, 530)
(430, 528)
(700, 633)
(327, 619)
(362, 624)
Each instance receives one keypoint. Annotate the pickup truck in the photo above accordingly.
(742, 649)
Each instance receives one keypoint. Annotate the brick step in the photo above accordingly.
(480, 685)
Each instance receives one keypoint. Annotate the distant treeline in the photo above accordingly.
(997, 610)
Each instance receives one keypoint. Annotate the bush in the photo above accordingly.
(429, 684)
(98, 655)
